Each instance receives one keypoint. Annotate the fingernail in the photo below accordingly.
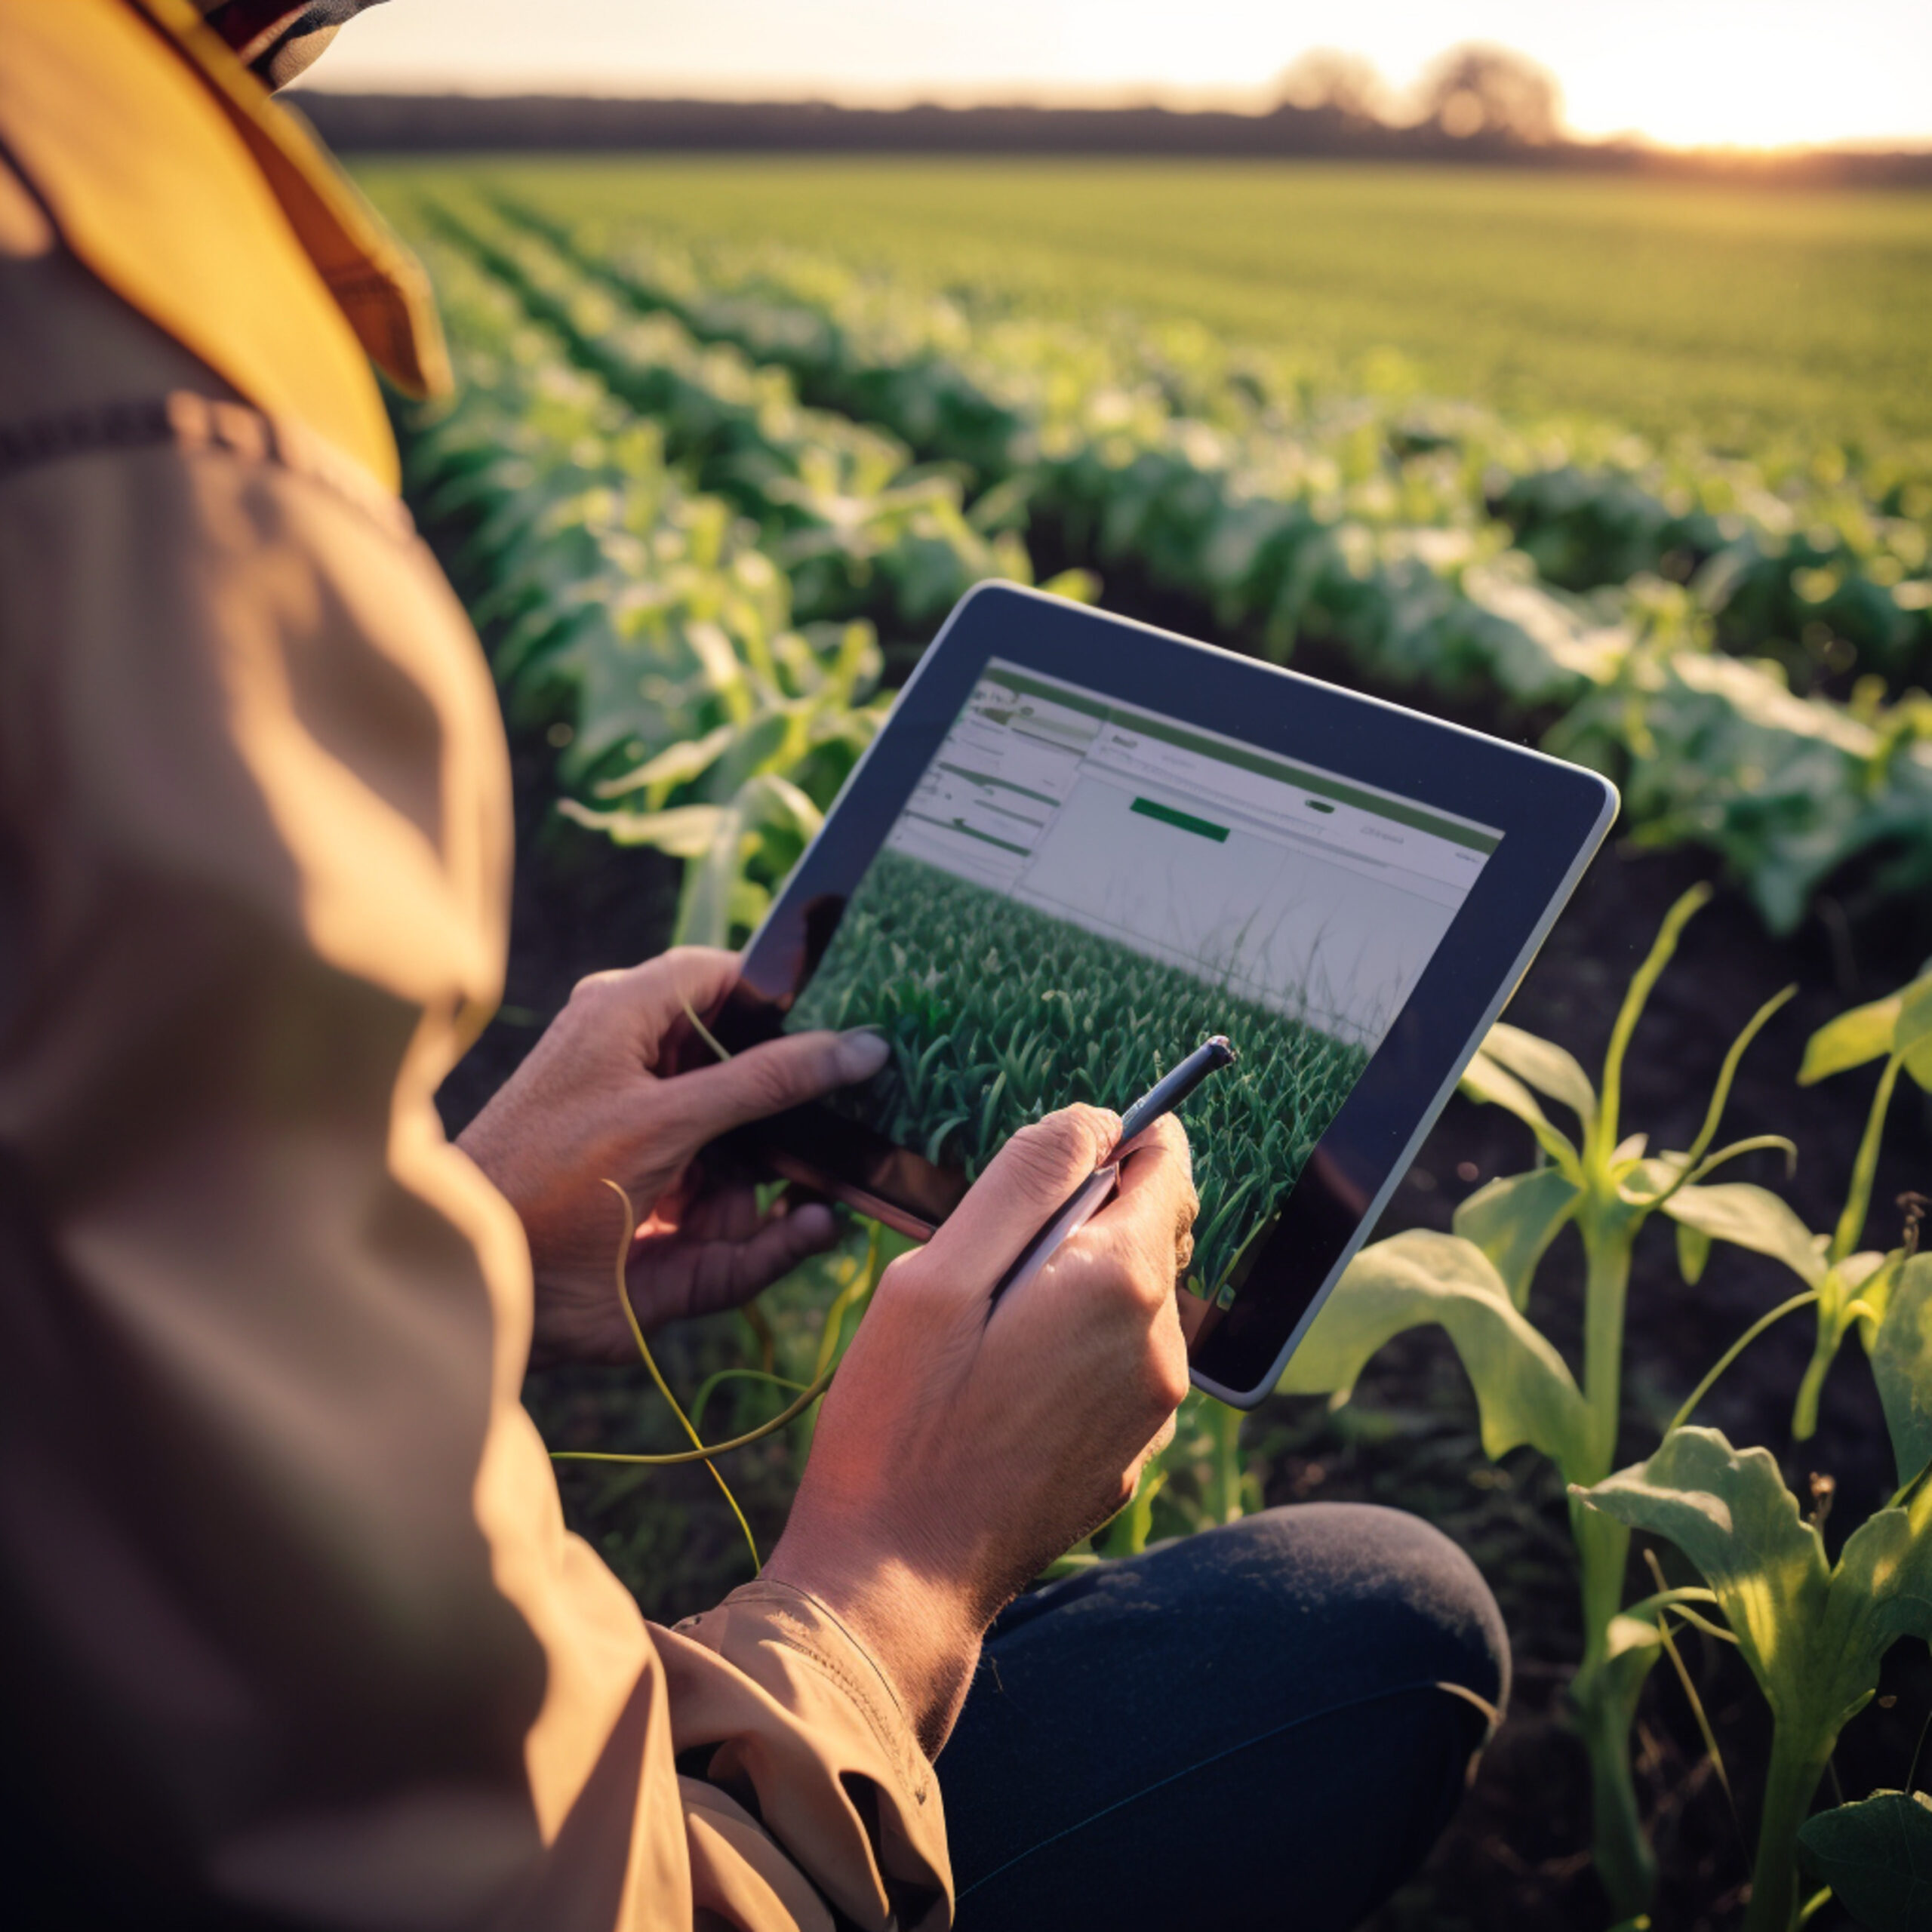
(813, 1225)
(860, 1053)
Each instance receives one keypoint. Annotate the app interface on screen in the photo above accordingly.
(1077, 894)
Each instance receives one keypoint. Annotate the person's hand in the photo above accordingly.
(962, 1447)
(591, 1104)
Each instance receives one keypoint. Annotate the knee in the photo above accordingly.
(1391, 1586)
(1439, 1587)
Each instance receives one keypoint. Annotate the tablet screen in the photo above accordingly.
(1077, 893)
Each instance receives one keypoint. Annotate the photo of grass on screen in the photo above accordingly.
(1077, 894)
(998, 1013)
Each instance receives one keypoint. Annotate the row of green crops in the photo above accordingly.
(638, 618)
(1368, 526)
(859, 529)
(998, 1014)
(1824, 569)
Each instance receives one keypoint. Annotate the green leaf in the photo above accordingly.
(704, 902)
(1488, 1081)
(1901, 1024)
(1865, 1280)
(1901, 1364)
(1544, 1065)
(1912, 1039)
(1863, 1034)
(1694, 1251)
(770, 814)
(676, 764)
(1730, 1514)
(1752, 1217)
(1881, 1591)
(750, 903)
(781, 802)
(1876, 1855)
(1814, 1639)
(1082, 587)
(1514, 1220)
(684, 831)
(1523, 1389)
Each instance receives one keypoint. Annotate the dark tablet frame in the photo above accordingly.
(1553, 817)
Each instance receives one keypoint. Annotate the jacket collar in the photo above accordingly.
(375, 281)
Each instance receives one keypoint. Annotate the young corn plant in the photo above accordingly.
(1476, 1284)
(1814, 1633)
(1853, 1285)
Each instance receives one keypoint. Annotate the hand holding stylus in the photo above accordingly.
(1092, 1194)
(958, 1450)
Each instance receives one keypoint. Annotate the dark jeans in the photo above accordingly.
(1249, 1728)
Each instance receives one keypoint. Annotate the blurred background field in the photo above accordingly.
(1748, 319)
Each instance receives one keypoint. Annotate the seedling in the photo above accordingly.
(1477, 1283)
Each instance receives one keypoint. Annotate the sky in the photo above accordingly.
(1745, 72)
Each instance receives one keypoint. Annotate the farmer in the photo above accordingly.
(294, 1633)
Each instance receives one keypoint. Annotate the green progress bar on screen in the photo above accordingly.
(1200, 827)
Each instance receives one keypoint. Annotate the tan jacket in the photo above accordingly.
(288, 1615)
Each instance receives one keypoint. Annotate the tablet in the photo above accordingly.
(1078, 846)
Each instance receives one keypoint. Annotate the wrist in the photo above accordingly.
(922, 1634)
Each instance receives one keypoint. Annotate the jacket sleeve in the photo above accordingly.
(290, 1611)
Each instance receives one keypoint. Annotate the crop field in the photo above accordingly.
(997, 1013)
(1735, 316)
(1742, 642)
(1640, 473)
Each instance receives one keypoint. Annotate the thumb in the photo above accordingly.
(1027, 1182)
(766, 1079)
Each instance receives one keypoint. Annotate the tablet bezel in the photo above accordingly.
(1552, 816)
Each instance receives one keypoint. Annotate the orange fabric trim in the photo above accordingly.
(155, 186)
(379, 283)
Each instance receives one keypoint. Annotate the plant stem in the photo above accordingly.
(1865, 1167)
(1797, 1764)
(1227, 1426)
(1824, 1352)
(855, 1294)
(1625, 1865)
(1603, 1554)
(1624, 1860)
(1607, 1243)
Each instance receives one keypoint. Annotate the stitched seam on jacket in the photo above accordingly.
(1201, 1764)
(196, 424)
(795, 1639)
(762, 1591)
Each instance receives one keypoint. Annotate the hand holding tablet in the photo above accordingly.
(1078, 847)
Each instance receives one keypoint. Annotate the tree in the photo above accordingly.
(1476, 90)
(1325, 77)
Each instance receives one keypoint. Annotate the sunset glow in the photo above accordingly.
(1773, 73)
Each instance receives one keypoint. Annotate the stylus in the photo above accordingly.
(1091, 1195)
(1168, 1092)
